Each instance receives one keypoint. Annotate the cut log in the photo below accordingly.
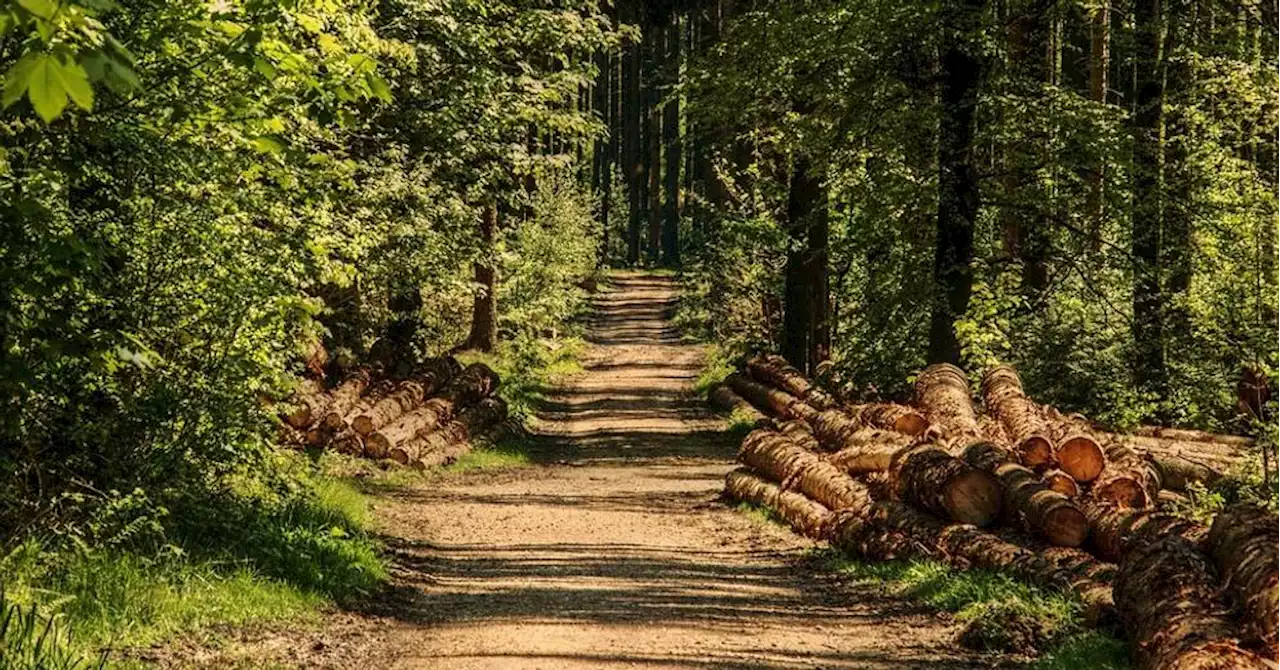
(1244, 545)
(433, 414)
(727, 401)
(1169, 603)
(799, 432)
(308, 405)
(1177, 473)
(348, 442)
(775, 371)
(871, 451)
(436, 447)
(772, 402)
(778, 457)
(1186, 435)
(1027, 501)
(1061, 482)
(1129, 480)
(1116, 531)
(344, 397)
(837, 431)
(1077, 448)
(942, 392)
(1218, 456)
(1003, 396)
(407, 396)
(892, 416)
(940, 483)
(807, 517)
(475, 383)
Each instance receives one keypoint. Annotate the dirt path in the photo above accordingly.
(615, 551)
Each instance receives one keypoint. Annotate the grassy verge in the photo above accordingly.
(241, 553)
(998, 612)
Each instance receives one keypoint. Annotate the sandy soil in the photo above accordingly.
(613, 552)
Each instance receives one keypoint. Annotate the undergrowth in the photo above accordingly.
(529, 367)
(248, 549)
(998, 612)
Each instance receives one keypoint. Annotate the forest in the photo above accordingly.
(211, 211)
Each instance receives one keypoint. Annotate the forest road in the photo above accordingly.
(614, 550)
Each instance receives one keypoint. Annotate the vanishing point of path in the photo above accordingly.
(615, 551)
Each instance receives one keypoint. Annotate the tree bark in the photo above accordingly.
(961, 74)
(1003, 396)
(672, 144)
(934, 480)
(1099, 71)
(774, 403)
(1171, 608)
(942, 392)
(1243, 544)
(1150, 374)
(484, 311)
(656, 42)
(726, 400)
(777, 372)
(779, 458)
(807, 517)
(1027, 501)
(632, 147)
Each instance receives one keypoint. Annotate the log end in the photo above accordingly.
(1036, 452)
(911, 424)
(362, 424)
(1122, 492)
(1081, 457)
(299, 419)
(399, 455)
(973, 497)
(1066, 526)
(377, 446)
(1061, 482)
(334, 421)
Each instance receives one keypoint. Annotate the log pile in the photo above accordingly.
(1020, 487)
(426, 418)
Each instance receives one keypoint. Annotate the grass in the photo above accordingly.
(999, 613)
(230, 557)
(717, 366)
(761, 514)
(529, 368)
(501, 456)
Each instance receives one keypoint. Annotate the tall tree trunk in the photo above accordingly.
(675, 153)
(484, 311)
(606, 148)
(961, 74)
(653, 137)
(1179, 188)
(1150, 374)
(1099, 69)
(632, 160)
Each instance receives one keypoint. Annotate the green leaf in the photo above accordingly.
(268, 145)
(45, 88)
(379, 87)
(41, 8)
(76, 82)
(16, 79)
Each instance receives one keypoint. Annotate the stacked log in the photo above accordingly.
(1003, 395)
(892, 416)
(1077, 449)
(1027, 501)
(372, 418)
(931, 478)
(775, 371)
(1185, 435)
(1243, 544)
(308, 403)
(942, 391)
(727, 401)
(1129, 480)
(771, 401)
(837, 474)
(1169, 602)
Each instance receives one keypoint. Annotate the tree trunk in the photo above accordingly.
(806, 339)
(484, 312)
(420, 449)
(1099, 69)
(656, 42)
(961, 74)
(1150, 374)
(675, 153)
(1061, 482)
(632, 147)
(1129, 480)
(406, 396)
(1077, 448)
(777, 372)
(892, 416)
(1116, 531)
(724, 399)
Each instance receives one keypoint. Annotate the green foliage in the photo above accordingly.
(999, 612)
(501, 456)
(30, 641)
(761, 514)
(243, 553)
